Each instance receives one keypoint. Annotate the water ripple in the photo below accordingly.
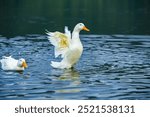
(111, 67)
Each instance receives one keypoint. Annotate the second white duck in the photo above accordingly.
(9, 63)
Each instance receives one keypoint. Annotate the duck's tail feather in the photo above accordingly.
(60, 65)
(56, 64)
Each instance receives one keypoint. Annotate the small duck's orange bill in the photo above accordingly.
(85, 28)
(24, 64)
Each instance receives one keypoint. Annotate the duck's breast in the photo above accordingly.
(74, 54)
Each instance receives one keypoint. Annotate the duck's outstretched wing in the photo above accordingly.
(67, 32)
(61, 42)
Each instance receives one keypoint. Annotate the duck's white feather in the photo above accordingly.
(68, 33)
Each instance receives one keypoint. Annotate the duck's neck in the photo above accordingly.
(75, 35)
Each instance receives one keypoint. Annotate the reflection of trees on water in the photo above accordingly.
(101, 16)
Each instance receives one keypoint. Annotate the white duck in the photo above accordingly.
(68, 46)
(9, 63)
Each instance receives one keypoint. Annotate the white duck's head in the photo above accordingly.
(22, 63)
(80, 26)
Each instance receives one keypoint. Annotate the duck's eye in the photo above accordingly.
(21, 60)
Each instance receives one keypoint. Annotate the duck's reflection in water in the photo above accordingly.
(70, 74)
(73, 77)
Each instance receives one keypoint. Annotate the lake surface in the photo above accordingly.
(115, 63)
(111, 67)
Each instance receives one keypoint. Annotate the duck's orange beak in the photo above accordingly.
(85, 28)
(24, 64)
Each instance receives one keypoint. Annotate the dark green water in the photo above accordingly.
(115, 63)
(19, 17)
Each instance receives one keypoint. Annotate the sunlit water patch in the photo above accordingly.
(111, 67)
